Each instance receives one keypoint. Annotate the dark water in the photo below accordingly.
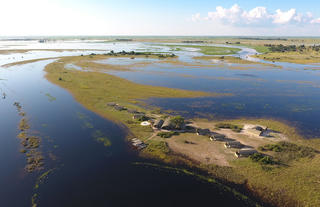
(85, 172)
(288, 94)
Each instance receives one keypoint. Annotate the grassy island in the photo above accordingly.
(275, 173)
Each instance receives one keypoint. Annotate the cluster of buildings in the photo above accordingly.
(177, 124)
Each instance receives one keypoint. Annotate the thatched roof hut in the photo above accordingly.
(217, 137)
(158, 123)
(138, 116)
(167, 124)
(120, 108)
(112, 104)
(233, 144)
(245, 152)
(204, 132)
(132, 111)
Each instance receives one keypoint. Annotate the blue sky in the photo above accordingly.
(165, 17)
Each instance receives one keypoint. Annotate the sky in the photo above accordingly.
(161, 17)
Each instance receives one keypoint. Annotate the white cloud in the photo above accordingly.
(231, 15)
(258, 16)
(284, 17)
(315, 21)
(196, 17)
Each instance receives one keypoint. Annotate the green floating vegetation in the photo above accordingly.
(23, 125)
(99, 137)
(50, 97)
(167, 134)
(233, 127)
(106, 142)
(86, 120)
(29, 143)
(39, 181)
(33, 142)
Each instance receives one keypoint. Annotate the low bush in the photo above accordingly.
(167, 134)
(233, 127)
(287, 151)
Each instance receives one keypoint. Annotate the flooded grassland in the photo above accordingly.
(96, 89)
(70, 149)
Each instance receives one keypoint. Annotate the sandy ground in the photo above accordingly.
(202, 149)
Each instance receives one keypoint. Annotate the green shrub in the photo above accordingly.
(233, 127)
(143, 118)
(262, 159)
(287, 151)
(167, 134)
(177, 122)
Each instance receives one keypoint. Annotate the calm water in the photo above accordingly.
(290, 94)
(85, 173)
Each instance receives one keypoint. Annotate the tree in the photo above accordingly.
(177, 122)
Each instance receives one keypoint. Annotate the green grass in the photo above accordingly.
(158, 149)
(208, 50)
(304, 57)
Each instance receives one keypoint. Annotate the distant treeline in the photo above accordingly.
(193, 41)
(291, 48)
(257, 38)
(124, 40)
(160, 55)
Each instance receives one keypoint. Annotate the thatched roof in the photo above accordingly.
(112, 104)
(119, 108)
(203, 132)
(167, 124)
(158, 123)
(233, 144)
(246, 152)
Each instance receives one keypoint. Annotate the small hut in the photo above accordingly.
(217, 137)
(132, 111)
(119, 108)
(158, 123)
(233, 144)
(246, 152)
(203, 132)
(138, 116)
(112, 104)
(167, 124)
